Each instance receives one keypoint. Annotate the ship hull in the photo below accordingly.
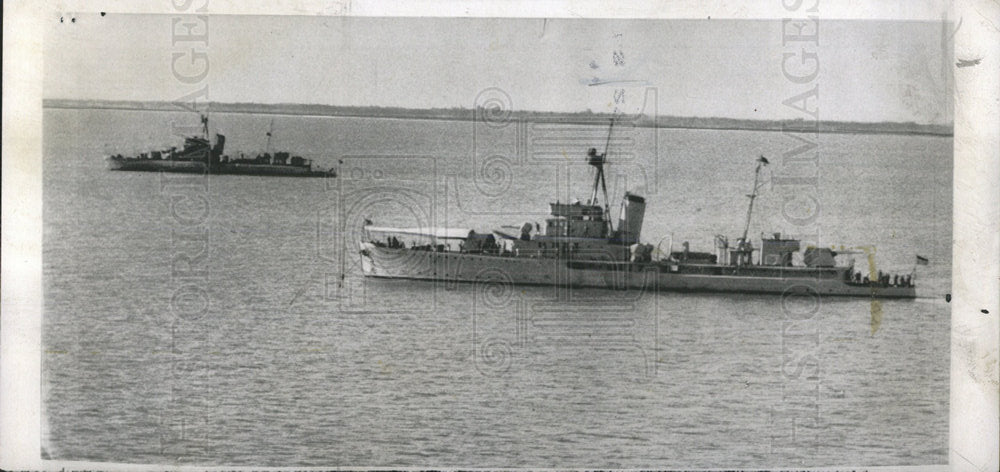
(154, 165)
(267, 169)
(383, 262)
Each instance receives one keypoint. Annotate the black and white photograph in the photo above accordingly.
(501, 242)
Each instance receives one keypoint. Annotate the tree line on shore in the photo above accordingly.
(468, 114)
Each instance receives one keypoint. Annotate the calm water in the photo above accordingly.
(223, 320)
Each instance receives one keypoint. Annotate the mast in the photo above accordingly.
(761, 161)
(208, 141)
(270, 130)
(598, 160)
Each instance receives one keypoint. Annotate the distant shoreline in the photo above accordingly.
(466, 114)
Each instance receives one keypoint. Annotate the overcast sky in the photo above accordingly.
(868, 70)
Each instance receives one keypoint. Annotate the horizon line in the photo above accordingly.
(71, 103)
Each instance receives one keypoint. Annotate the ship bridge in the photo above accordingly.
(584, 230)
(575, 220)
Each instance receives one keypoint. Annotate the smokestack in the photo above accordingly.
(630, 218)
(220, 145)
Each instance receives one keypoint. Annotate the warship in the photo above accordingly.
(199, 156)
(581, 247)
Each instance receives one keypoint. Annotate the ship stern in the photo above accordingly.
(113, 163)
(365, 251)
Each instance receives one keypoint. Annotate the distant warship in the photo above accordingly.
(581, 248)
(199, 156)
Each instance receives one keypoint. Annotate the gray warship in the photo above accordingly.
(581, 247)
(200, 156)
